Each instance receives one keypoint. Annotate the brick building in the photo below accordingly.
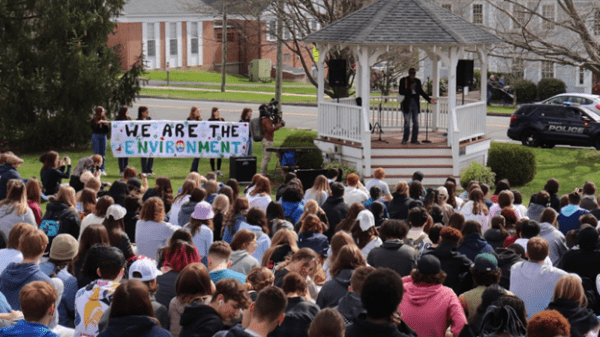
(168, 32)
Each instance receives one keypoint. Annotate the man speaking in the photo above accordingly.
(411, 88)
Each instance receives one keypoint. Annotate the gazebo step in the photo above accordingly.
(408, 170)
(416, 150)
(394, 161)
(433, 181)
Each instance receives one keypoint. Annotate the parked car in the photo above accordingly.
(589, 101)
(547, 125)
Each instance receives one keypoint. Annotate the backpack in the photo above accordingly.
(256, 129)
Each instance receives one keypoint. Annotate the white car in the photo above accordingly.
(589, 101)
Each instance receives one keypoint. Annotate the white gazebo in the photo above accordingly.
(457, 131)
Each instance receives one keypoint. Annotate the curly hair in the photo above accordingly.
(153, 210)
(259, 278)
(548, 323)
(450, 234)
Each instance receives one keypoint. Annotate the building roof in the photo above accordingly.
(403, 22)
(190, 7)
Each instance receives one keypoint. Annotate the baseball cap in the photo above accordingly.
(442, 191)
(134, 182)
(485, 262)
(203, 211)
(146, 267)
(429, 264)
(109, 258)
(117, 211)
(366, 220)
(64, 247)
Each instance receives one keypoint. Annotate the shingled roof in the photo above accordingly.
(403, 22)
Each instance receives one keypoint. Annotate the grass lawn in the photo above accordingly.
(572, 167)
(224, 96)
(204, 76)
(175, 169)
(501, 109)
(285, 90)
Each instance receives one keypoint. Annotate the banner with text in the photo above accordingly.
(170, 139)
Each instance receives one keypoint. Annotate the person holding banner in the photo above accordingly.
(195, 116)
(123, 115)
(215, 116)
(245, 118)
(147, 163)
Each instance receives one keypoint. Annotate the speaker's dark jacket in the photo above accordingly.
(404, 89)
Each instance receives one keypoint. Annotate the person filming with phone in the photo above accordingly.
(271, 122)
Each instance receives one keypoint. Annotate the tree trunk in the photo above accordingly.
(279, 70)
(224, 48)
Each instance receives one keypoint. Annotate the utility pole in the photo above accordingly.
(224, 47)
(279, 72)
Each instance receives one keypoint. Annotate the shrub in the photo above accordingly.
(549, 87)
(526, 91)
(513, 162)
(305, 160)
(478, 172)
(443, 87)
(345, 168)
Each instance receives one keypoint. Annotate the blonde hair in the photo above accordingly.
(310, 208)
(321, 185)
(570, 287)
(187, 188)
(66, 195)
(16, 197)
(221, 204)
(197, 177)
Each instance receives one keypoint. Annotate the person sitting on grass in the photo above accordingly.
(219, 261)
(38, 303)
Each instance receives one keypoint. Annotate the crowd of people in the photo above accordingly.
(337, 259)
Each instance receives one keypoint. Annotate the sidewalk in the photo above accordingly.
(186, 84)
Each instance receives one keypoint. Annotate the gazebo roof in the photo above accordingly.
(403, 22)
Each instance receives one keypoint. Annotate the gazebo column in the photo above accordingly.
(358, 77)
(483, 59)
(364, 83)
(453, 130)
(323, 50)
(435, 90)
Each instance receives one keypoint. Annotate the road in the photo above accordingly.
(296, 116)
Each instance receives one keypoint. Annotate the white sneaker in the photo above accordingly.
(219, 174)
(103, 173)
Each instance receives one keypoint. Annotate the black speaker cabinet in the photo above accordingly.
(464, 73)
(337, 73)
(307, 177)
(242, 168)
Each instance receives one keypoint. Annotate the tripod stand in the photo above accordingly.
(378, 125)
(427, 111)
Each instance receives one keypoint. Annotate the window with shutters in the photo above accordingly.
(272, 30)
(518, 68)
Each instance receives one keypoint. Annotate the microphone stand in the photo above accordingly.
(427, 124)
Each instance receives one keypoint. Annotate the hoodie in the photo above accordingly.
(334, 290)
(398, 206)
(298, 316)
(556, 240)
(185, 214)
(9, 217)
(534, 212)
(582, 320)
(430, 309)
(456, 266)
(60, 219)
(393, 254)
(139, 326)
(15, 277)
(29, 329)
(569, 218)
(473, 244)
(362, 327)
(200, 320)
(336, 210)
(315, 241)
(242, 262)
(494, 237)
(292, 210)
(506, 259)
(525, 274)
(7, 172)
(350, 307)
(467, 210)
(91, 302)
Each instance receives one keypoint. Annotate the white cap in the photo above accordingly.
(146, 267)
(442, 191)
(366, 220)
(117, 211)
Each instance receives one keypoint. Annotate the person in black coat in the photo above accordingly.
(393, 253)
(412, 90)
(348, 258)
(335, 208)
(381, 295)
(507, 257)
(299, 312)
(147, 163)
(53, 171)
(551, 187)
(201, 320)
(264, 315)
(350, 306)
(61, 216)
(456, 266)
(399, 205)
(8, 171)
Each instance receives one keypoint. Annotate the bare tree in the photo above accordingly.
(562, 31)
(392, 65)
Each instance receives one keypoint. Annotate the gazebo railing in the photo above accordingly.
(341, 121)
(470, 120)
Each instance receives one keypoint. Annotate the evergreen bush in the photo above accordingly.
(513, 162)
(478, 172)
(526, 91)
(549, 87)
(305, 160)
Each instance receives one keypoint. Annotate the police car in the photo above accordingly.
(549, 125)
(589, 101)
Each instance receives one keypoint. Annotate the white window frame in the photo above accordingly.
(546, 24)
(473, 14)
(520, 70)
(156, 38)
(179, 40)
(271, 28)
(581, 76)
(542, 63)
(200, 42)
